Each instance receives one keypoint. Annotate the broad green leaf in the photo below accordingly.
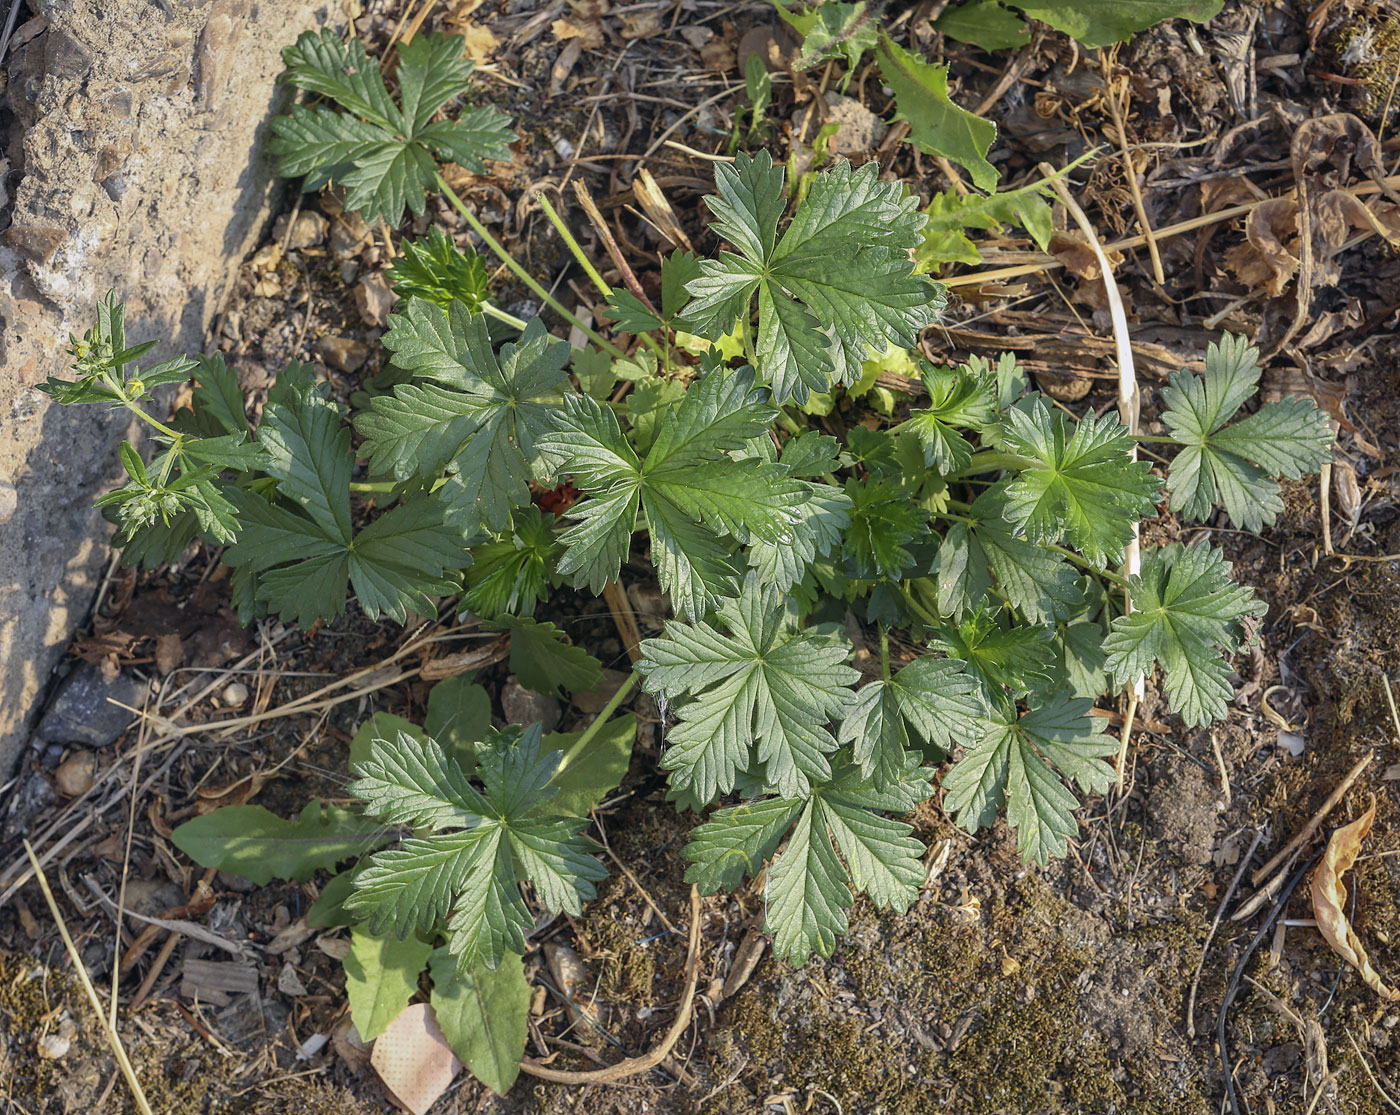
(458, 716)
(1021, 761)
(1187, 616)
(544, 662)
(480, 419)
(648, 403)
(328, 911)
(249, 841)
(932, 696)
(983, 23)
(832, 28)
(816, 323)
(698, 501)
(1097, 23)
(592, 768)
(381, 976)
(484, 1016)
(1081, 484)
(936, 124)
(809, 886)
(973, 556)
(762, 692)
(304, 558)
(1232, 465)
(629, 314)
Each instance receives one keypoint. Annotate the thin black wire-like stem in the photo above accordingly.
(1222, 1033)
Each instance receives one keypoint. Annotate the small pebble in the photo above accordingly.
(373, 299)
(521, 706)
(342, 353)
(75, 774)
(53, 1046)
(234, 694)
(308, 230)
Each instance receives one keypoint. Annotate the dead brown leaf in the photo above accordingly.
(587, 32)
(641, 25)
(1329, 897)
(208, 799)
(450, 665)
(1268, 258)
(481, 40)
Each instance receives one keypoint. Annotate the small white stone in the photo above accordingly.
(234, 694)
(53, 1046)
(9, 501)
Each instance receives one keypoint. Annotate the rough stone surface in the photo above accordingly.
(134, 132)
(81, 712)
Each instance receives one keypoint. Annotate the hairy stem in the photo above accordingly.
(567, 235)
(519, 272)
(602, 718)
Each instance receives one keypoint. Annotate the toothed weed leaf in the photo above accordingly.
(816, 322)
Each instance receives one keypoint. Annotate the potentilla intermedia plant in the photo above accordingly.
(974, 532)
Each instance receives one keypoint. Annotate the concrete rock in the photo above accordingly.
(137, 138)
(81, 713)
(374, 299)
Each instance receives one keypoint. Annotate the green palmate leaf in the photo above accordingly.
(649, 401)
(761, 693)
(592, 766)
(544, 662)
(883, 525)
(1021, 761)
(479, 418)
(381, 725)
(816, 323)
(436, 270)
(1097, 23)
(1187, 611)
(932, 696)
(973, 556)
(249, 841)
(983, 23)
(936, 124)
(509, 834)
(809, 887)
(381, 976)
(484, 1016)
(382, 152)
(958, 401)
(512, 574)
(1232, 465)
(695, 497)
(1082, 484)
(823, 512)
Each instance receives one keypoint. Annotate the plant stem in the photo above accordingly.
(501, 316)
(520, 273)
(884, 653)
(1121, 582)
(566, 234)
(602, 718)
(1155, 438)
(990, 460)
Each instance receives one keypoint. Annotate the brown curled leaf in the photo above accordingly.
(1329, 900)
(1268, 257)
